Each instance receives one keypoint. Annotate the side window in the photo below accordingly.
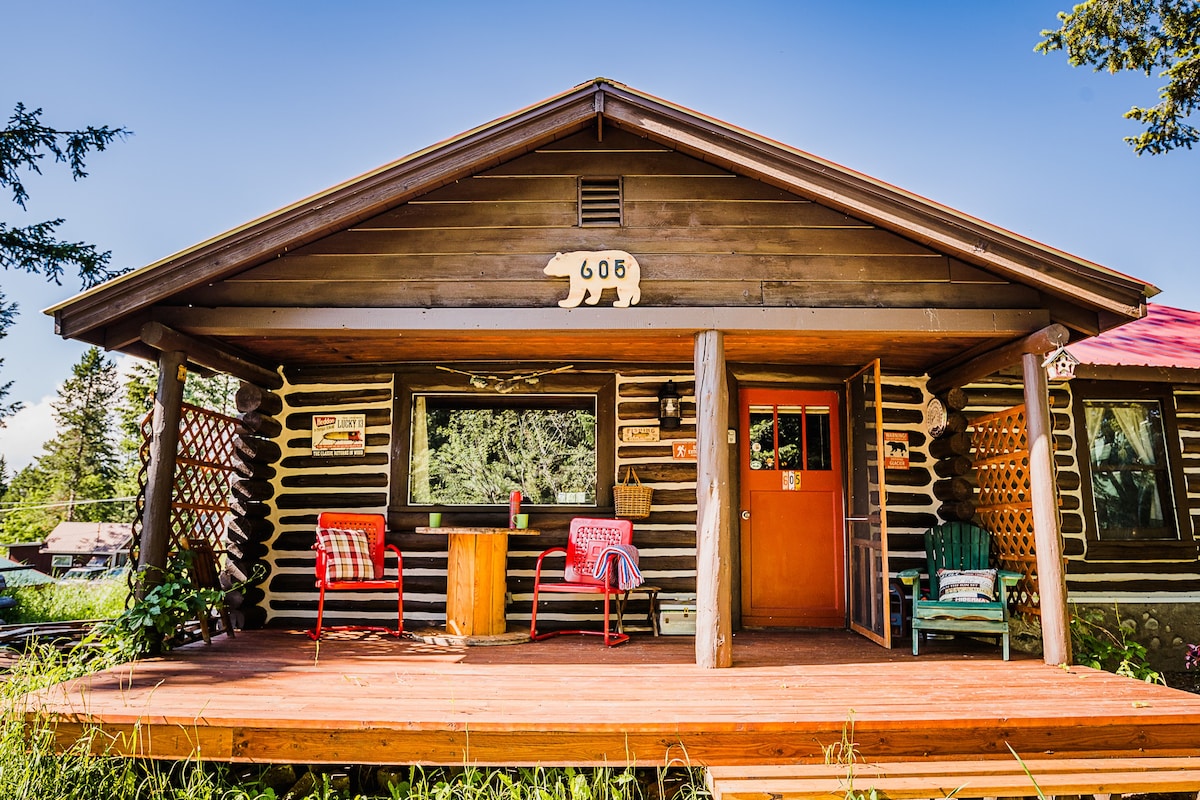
(1135, 503)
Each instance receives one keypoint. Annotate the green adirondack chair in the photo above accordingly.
(958, 546)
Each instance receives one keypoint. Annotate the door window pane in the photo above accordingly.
(791, 437)
(762, 437)
(818, 438)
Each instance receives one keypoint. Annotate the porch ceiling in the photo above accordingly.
(911, 353)
(906, 340)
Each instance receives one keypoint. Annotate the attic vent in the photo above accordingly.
(599, 201)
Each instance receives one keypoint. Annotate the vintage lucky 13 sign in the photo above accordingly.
(339, 434)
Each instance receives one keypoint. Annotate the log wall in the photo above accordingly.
(1107, 581)
(304, 486)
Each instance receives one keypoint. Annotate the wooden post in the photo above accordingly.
(1052, 583)
(714, 634)
(160, 476)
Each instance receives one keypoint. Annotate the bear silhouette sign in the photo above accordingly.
(593, 271)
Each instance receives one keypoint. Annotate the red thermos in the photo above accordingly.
(514, 507)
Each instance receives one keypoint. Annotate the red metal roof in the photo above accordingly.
(1165, 337)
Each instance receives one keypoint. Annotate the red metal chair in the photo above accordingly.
(374, 526)
(585, 542)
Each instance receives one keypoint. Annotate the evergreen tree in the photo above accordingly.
(8, 312)
(1141, 36)
(78, 464)
(24, 143)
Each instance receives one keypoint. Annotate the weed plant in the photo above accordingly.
(32, 768)
(1097, 645)
(68, 600)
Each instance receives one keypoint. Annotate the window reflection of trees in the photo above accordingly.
(476, 455)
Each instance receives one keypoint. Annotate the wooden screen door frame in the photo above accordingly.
(866, 507)
(793, 554)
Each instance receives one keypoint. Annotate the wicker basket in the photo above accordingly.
(632, 501)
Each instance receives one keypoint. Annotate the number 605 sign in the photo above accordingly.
(593, 271)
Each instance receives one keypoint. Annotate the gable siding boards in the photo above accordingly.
(703, 237)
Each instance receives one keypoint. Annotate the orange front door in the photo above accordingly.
(792, 536)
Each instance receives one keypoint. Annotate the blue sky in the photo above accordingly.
(239, 108)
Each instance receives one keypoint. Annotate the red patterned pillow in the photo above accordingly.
(347, 554)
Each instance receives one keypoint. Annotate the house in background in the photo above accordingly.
(29, 553)
(761, 334)
(88, 544)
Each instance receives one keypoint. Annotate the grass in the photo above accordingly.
(56, 602)
(32, 767)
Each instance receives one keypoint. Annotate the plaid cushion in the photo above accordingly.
(967, 585)
(347, 554)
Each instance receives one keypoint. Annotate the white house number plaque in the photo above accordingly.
(593, 271)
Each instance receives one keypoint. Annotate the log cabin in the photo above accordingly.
(776, 344)
(1125, 423)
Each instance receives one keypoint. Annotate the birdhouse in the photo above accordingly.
(1060, 365)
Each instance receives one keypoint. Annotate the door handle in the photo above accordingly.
(745, 515)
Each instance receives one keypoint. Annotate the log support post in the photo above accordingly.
(160, 476)
(714, 630)
(1052, 584)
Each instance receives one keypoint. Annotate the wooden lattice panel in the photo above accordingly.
(203, 470)
(1005, 504)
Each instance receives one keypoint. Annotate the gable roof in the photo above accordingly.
(89, 537)
(1166, 337)
(112, 314)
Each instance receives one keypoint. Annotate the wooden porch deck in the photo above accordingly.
(275, 696)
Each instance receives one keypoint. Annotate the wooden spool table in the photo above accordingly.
(476, 581)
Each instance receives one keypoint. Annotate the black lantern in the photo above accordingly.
(668, 407)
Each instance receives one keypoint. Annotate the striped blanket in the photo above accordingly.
(625, 557)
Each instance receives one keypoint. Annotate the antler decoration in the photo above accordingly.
(505, 383)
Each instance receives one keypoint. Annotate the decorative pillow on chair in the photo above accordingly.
(967, 585)
(347, 554)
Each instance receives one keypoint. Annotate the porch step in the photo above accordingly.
(908, 780)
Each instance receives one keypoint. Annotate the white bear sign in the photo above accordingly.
(593, 271)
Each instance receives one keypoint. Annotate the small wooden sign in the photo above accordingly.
(644, 433)
(895, 449)
(684, 450)
(339, 434)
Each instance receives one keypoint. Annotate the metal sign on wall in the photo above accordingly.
(895, 454)
(684, 450)
(339, 434)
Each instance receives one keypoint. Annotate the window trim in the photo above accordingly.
(1097, 549)
(430, 381)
